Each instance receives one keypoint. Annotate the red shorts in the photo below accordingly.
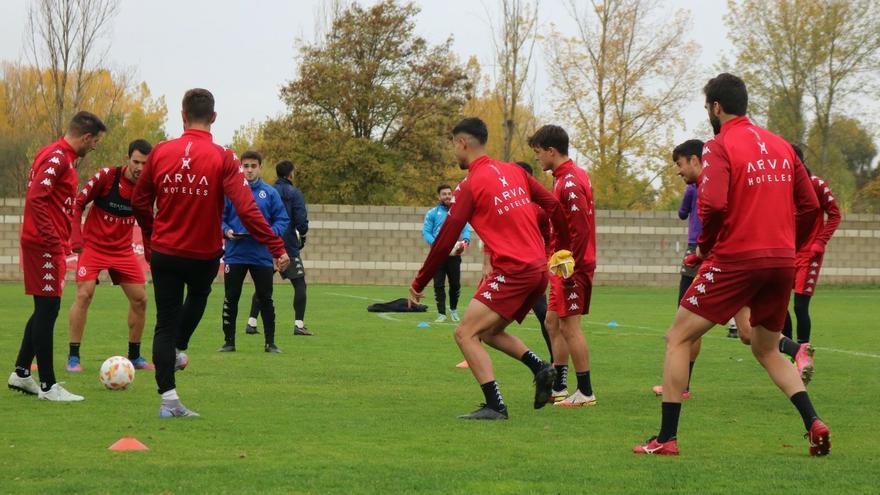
(43, 272)
(806, 274)
(717, 294)
(124, 268)
(512, 296)
(574, 300)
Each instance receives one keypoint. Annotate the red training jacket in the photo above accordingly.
(822, 230)
(755, 199)
(48, 202)
(187, 178)
(103, 231)
(575, 193)
(496, 198)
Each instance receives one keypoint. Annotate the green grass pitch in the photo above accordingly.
(368, 405)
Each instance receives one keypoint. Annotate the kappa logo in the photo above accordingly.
(487, 295)
(809, 289)
(494, 285)
(574, 307)
(48, 276)
(58, 151)
(693, 300)
(85, 190)
(569, 176)
(572, 296)
(575, 208)
(50, 171)
(503, 181)
(706, 150)
(48, 288)
(715, 269)
(813, 272)
(830, 198)
(244, 183)
(814, 264)
(54, 160)
(826, 190)
(569, 184)
(709, 276)
(501, 279)
(701, 288)
(262, 195)
(47, 255)
(82, 271)
(821, 182)
(46, 182)
(106, 170)
(90, 182)
(572, 196)
(811, 281)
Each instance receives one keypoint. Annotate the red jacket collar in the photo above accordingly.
(564, 168)
(478, 162)
(71, 153)
(197, 133)
(734, 122)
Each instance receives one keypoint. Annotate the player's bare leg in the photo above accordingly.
(85, 292)
(802, 354)
(560, 356)
(137, 311)
(570, 327)
(694, 354)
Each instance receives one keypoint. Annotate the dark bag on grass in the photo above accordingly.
(396, 306)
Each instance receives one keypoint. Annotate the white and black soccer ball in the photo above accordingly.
(117, 373)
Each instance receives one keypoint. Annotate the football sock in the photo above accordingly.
(299, 324)
(788, 347)
(74, 349)
(252, 321)
(532, 361)
(561, 382)
(669, 423)
(690, 372)
(134, 350)
(802, 312)
(22, 372)
(786, 330)
(170, 395)
(493, 396)
(584, 385)
(804, 406)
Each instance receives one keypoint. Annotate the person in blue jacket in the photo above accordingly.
(245, 255)
(294, 241)
(451, 268)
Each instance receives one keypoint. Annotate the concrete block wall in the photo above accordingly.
(382, 245)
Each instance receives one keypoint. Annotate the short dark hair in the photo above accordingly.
(442, 187)
(691, 147)
(284, 168)
(198, 105)
(729, 91)
(525, 166)
(550, 136)
(252, 155)
(472, 126)
(85, 123)
(799, 151)
(141, 145)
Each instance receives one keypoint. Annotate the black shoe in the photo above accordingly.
(732, 334)
(273, 348)
(251, 330)
(544, 380)
(485, 412)
(302, 331)
(227, 348)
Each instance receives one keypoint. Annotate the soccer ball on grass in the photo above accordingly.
(117, 373)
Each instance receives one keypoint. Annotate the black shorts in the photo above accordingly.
(295, 269)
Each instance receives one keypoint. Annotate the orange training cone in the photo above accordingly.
(463, 365)
(128, 443)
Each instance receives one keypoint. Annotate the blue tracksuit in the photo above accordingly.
(295, 205)
(434, 220)
(247, 251)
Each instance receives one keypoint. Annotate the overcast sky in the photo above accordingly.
(244, 51)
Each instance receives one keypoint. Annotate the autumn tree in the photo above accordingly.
(621, 81)
(514, 33)
(370, 110)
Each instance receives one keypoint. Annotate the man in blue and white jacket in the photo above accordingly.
(245, 255)
(451, 268)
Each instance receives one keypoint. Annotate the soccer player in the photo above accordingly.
(244, 255)
(568, 301)
(45, 234)
(294, 242)
(756, 202)
(187, 179)
(451, 268)
(496, 199)
(808, 262)
(106, 245)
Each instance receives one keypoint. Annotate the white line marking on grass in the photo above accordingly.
(386, 316)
